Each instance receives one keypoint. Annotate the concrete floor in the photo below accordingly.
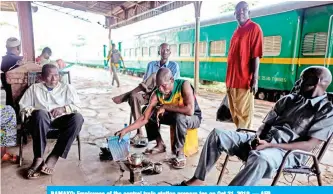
(103, 118)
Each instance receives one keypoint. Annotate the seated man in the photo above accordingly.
(173, 103)
(300, 120)
(52, 105)
(140, 95)
(11, 60)
(44, 58)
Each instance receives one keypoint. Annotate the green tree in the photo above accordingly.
(2, 23)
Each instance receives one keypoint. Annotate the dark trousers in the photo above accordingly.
(67, 126)
(180, 121)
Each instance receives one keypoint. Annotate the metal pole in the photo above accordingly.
(197, 7)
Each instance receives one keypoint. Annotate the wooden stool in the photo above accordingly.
(191, 141)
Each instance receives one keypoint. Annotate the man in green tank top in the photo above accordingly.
(172, 103)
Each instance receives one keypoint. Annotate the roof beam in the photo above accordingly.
(93, 5)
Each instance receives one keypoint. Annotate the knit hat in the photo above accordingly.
(12, 42)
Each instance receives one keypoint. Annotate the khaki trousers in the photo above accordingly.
(241, 104)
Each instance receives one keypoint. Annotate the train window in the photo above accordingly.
(314, 44)
(185, 49)
(132, 54)
(127, 52)
(153, 51)
(174, 50)
(272, 45)
(217, 48)
(138, 52)
(145, 52)
(202, 48)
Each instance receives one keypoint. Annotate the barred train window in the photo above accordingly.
(138, 52)
(217, 48)
(272, 45)
(314, 43)
(132, 54)
(174, 50)
(153, 51)
(145, 51)
(185, 49)
(202, 48)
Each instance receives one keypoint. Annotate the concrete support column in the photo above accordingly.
(197, 7)
(26, 29)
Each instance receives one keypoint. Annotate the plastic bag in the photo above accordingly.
(223, 113)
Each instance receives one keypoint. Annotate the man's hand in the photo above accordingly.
(58, 111)
(121, 134)
(263, 145)
(160, 111)
(254, 85)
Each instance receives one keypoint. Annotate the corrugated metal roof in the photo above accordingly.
(117, 13)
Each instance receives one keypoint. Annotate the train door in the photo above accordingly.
(316, 44)
(329, 49)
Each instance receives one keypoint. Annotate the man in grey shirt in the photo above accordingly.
(301, 120)
(115, 57)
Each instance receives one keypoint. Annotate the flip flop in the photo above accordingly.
(178, 163)
(45, 171)
(154, 151)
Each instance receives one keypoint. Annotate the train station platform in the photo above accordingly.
(103, 118)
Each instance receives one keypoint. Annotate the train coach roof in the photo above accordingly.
(255, 12)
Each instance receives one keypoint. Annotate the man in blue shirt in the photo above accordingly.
(10, 61)
(140, 95)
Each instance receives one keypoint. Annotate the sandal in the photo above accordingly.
(32, 173)
(141, 142)
(178, 163)
(183, 183)
(134, 139)
(154, 151)
(105, 154)
(47, 170)
(10, 157)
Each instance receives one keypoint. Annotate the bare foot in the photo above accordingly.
(156, 150)
(48, 167)
(194, 182)
(117, 99)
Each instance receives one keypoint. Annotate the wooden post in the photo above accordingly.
(197, 7)
(26, 29)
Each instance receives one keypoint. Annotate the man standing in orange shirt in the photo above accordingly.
(244, 56)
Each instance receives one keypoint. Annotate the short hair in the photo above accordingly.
(242, 3)
(164, 43)
(46, 67)
(46, 50)
(113, 44)
(163, 75)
